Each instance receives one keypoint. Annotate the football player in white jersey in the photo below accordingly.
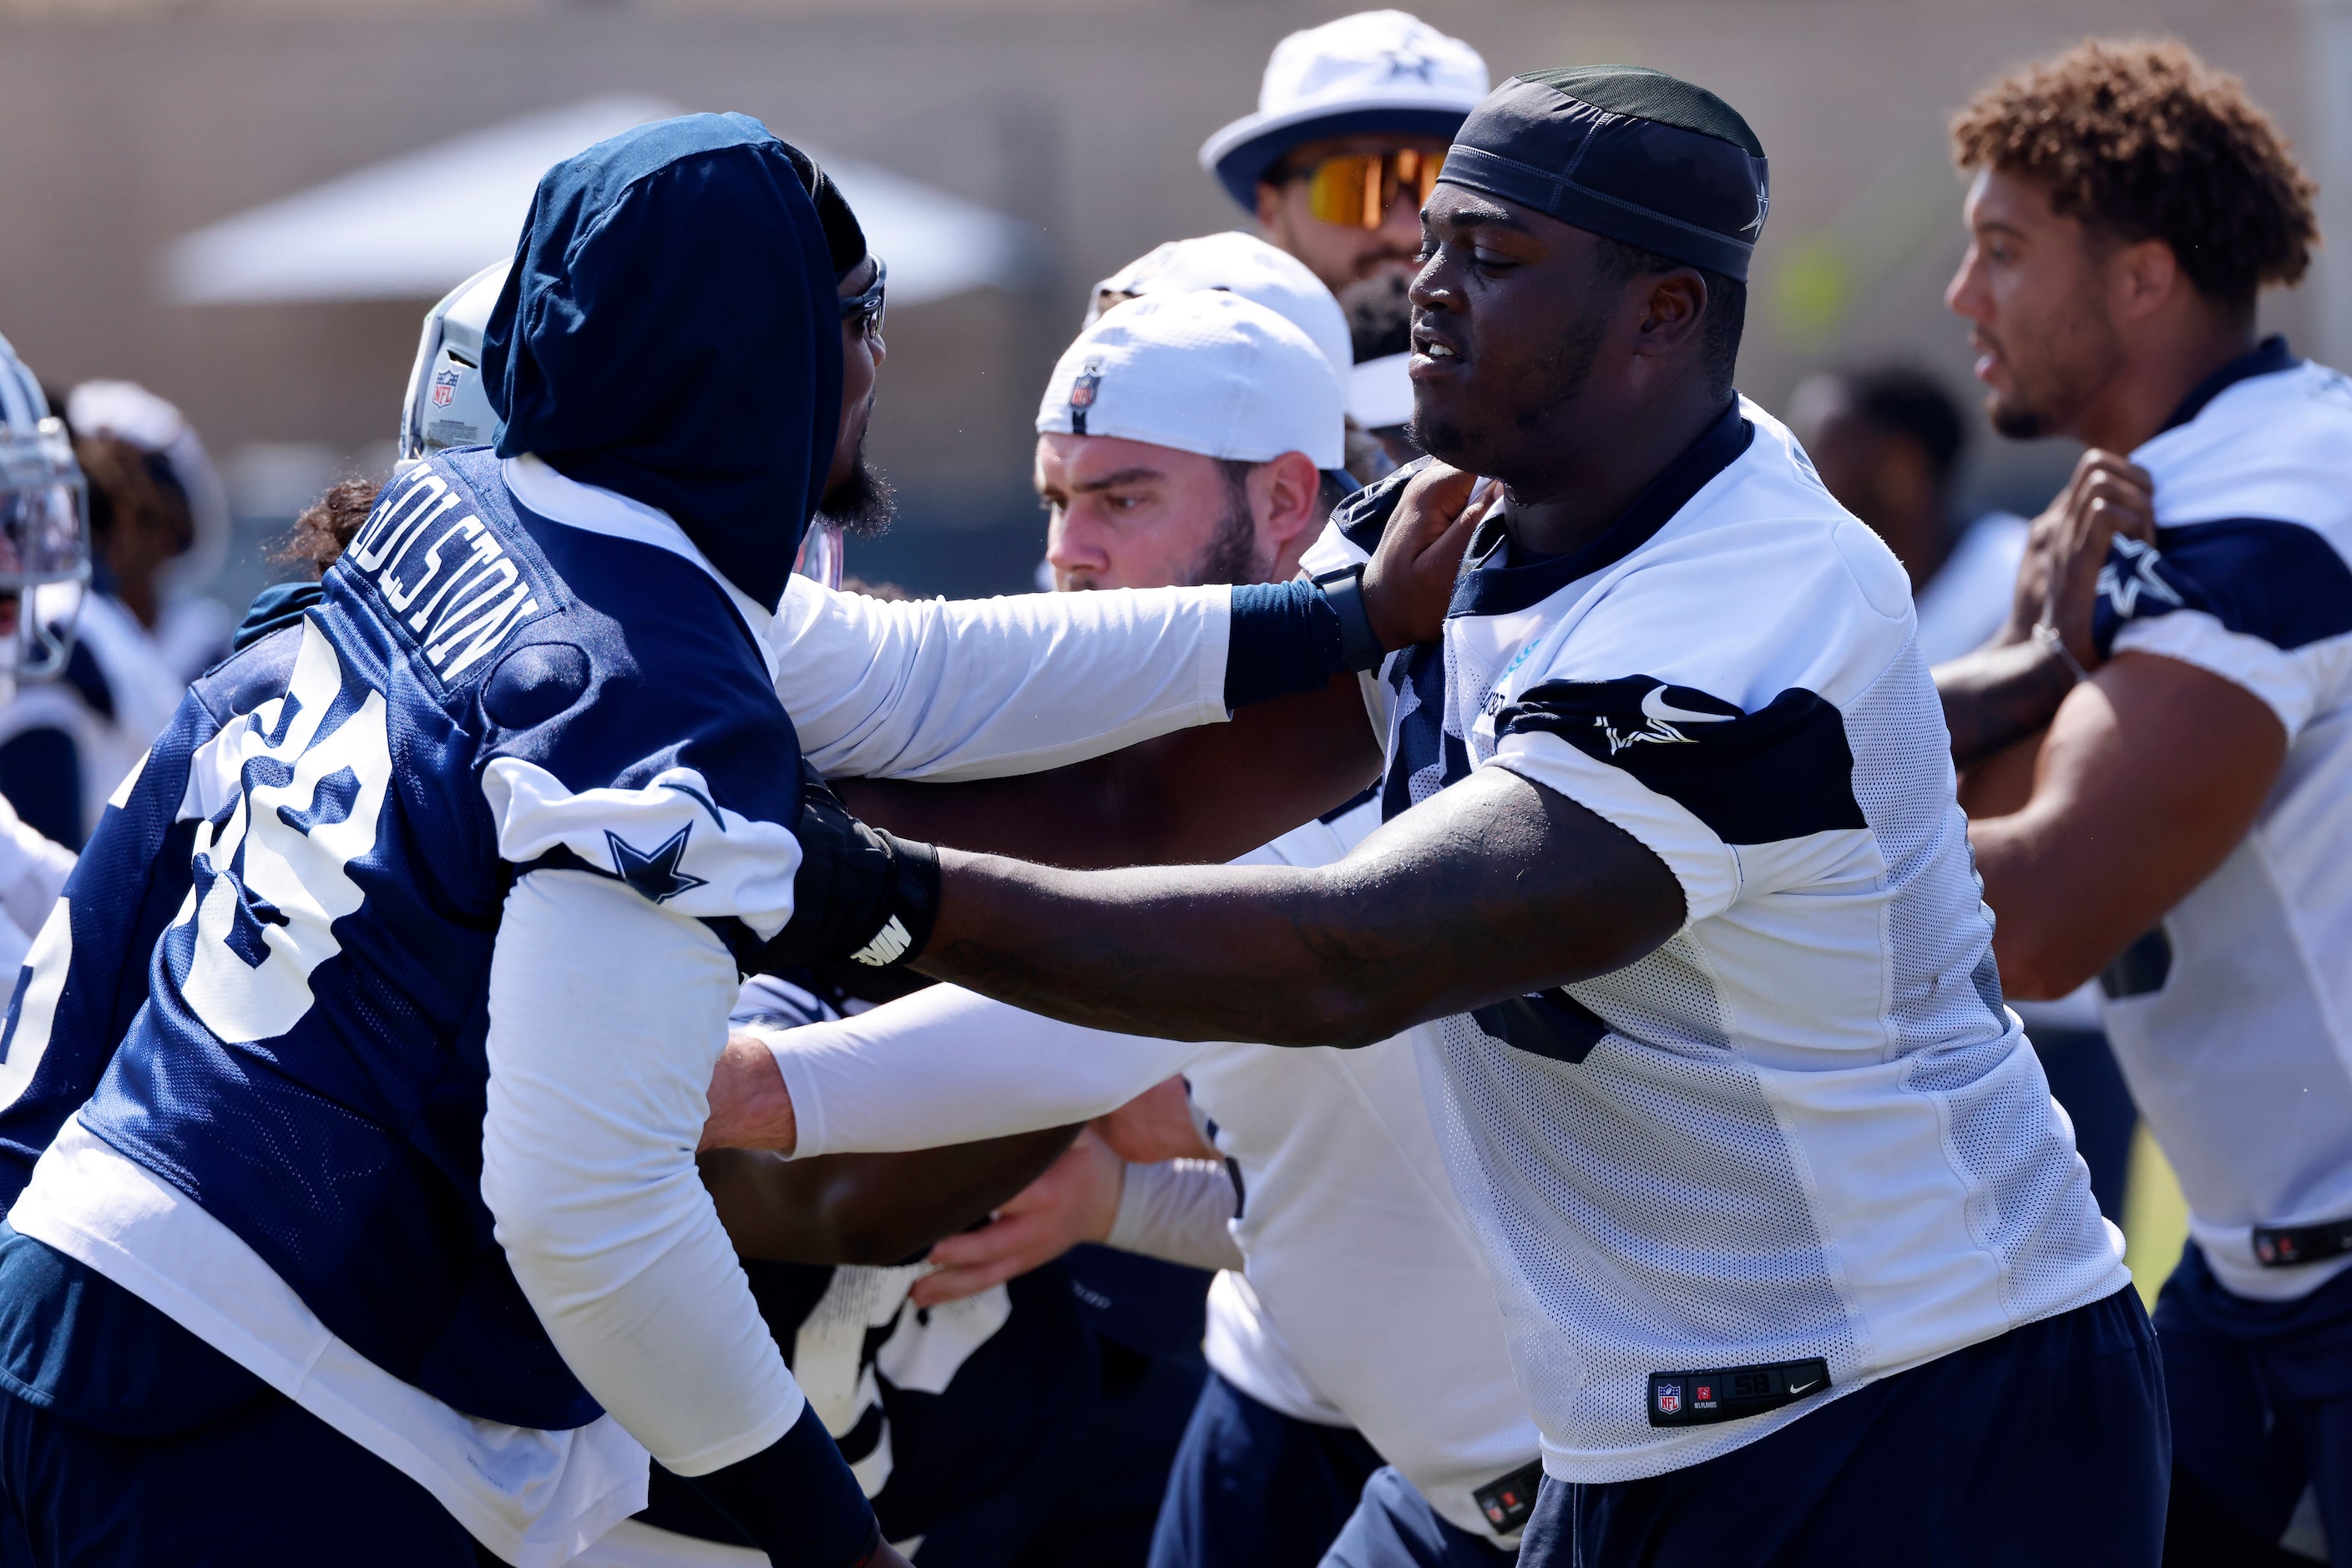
(1795, 1256)
(2181, 831)
(1340, 1236)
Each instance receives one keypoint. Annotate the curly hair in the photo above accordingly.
(2144, 140)
(326, 526)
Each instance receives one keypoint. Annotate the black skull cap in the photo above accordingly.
(1639, 156)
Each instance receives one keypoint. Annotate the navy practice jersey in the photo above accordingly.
(266, 988)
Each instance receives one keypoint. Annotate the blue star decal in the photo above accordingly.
(656, 875)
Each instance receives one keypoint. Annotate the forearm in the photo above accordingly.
(944, 1066)
(1202, 795)
(605, 1014)
(873, 1209)
(1492, 889)
(1180, 1210)
(1999, 695)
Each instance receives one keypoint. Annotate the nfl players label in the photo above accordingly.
(1507, 1502)
(1728, 1393)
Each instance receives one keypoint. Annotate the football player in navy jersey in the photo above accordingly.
(1674, 892)
(2184, 631)
(366, 1211)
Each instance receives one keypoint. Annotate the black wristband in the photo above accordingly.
(909, 909)
(1343, 590)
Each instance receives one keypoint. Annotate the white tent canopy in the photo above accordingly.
(413, 227)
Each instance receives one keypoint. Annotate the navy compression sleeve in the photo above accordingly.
(1285, 639)
(796, 1501)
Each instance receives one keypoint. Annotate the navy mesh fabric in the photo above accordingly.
(331, 1115)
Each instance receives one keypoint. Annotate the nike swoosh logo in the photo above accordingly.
(1655, 709)
(1796, 1388)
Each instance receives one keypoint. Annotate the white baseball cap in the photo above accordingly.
(1239, 263)
(1205, 372)
(1374, 71)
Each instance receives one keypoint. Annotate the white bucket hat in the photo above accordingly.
(1206, 372)
(1374, 71)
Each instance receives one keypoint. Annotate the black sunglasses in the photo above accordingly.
(866, 308)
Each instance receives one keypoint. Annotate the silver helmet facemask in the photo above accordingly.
(44, 530)
(447, 405)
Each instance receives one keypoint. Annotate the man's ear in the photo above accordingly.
(1672, 306)
(1283, 492)
(2141, 276)
(1269, 203)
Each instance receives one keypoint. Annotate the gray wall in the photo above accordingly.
(129, 129)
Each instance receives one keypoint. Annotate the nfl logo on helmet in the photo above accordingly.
(444, 387)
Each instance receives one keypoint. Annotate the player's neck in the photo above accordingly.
(1594, 474)
(2157, 371)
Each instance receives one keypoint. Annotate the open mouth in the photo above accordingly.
(1432, 353)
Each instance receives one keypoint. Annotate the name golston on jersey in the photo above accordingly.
(245, 1071)
(1803, 1144)
(2232, 1019)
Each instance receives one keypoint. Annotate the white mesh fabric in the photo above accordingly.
(1690, 1196)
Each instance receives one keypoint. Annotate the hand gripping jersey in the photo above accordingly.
(1802, 1144)
(285, 1150)
(2233, 1020)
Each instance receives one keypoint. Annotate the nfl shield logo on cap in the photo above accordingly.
(1082, 394)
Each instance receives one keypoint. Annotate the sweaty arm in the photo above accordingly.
(1493, 887)
(595, 1101)
(2153, 770)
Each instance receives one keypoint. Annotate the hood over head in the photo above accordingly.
(669, 329)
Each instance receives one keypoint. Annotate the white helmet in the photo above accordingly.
(447, 405)
(44, 525)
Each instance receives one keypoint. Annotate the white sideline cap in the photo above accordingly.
(1239, 263)
(1205, 372)
(1372, 72)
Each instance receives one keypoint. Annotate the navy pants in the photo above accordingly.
(2261, 1408)
(2046, 1447)
(1395, 1527)
(267, 1486)
(1252, 1488)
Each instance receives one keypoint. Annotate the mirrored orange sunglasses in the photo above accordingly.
(1357, 189)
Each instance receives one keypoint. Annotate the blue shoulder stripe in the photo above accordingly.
(1783, 772)
(2282, 582)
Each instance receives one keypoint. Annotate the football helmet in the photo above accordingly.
(44, 526)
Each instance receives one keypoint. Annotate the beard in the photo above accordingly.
(863, 503)
(2080, 353)
(1230, 555)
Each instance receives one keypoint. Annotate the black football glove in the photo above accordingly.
(861, 894)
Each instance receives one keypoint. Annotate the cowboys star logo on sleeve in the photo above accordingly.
(2130, 573)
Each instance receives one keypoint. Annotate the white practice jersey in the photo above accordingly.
(1804, 1135)
(1362, 1303)
(2233, 1020)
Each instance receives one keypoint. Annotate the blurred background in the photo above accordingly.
(248, 205)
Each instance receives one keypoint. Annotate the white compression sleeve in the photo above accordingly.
(944, 690)
(1180, 1210)
(607, 1013)
(945, 1066)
